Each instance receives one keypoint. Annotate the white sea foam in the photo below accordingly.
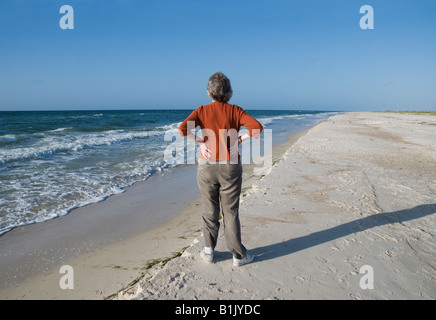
(268, 120)
(43, 197)
(172, 126)
(8, 138)
(61, 129)
(50, 145)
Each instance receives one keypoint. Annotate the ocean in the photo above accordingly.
(54, 161)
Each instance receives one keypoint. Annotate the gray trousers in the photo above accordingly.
(220, 187)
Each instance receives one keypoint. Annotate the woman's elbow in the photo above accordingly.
(255, 132)
(182, 132)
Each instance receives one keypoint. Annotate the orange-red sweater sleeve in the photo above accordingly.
(183, 128)
(252, 124)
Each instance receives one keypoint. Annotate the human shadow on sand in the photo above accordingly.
(293, 245)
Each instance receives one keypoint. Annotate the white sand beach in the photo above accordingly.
(357, 190)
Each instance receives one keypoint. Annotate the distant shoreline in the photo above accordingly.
(423, 113)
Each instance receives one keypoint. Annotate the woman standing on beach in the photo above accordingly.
(219, 174)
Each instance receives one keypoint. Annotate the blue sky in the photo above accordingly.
(140, 54)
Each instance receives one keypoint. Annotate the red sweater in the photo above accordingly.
(220, 123)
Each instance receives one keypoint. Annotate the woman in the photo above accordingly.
(219, 174)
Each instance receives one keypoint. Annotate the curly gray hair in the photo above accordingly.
(219, 88)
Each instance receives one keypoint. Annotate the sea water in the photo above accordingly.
(54, 161)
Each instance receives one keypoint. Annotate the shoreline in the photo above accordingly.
(93, 261)
(33, 254)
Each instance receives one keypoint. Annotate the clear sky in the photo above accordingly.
(278, 54)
